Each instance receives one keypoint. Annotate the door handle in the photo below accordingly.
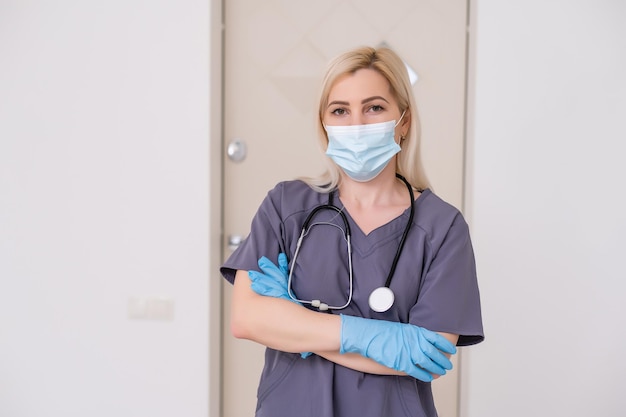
(234, 241)
(237, 150)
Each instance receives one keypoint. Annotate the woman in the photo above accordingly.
(332, 351)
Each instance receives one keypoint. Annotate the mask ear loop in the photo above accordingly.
(400, 119)
(402, 136)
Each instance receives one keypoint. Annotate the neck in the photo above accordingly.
(386, 189)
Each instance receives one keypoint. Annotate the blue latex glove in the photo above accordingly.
(404, 347)
(272, 281)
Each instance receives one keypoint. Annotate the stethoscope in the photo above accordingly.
(382, 298)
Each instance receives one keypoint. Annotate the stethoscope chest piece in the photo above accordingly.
(381, 299)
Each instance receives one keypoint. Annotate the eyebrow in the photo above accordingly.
(366, 100)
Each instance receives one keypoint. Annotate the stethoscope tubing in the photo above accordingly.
(347, 236)
(404, 234)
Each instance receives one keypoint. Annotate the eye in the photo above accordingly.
(338, 112)
(376, 108)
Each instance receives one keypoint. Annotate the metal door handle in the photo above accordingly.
(234, 241)
(237, 150)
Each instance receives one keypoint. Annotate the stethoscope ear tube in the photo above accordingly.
(328, 206)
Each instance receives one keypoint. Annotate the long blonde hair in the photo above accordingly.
(389, 65)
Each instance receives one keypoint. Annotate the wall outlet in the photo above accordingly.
(151, 308)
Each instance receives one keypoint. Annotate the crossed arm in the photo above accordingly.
(283, 325)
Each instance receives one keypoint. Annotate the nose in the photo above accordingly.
(357, 119)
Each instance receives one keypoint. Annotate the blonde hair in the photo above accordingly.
(389, 65)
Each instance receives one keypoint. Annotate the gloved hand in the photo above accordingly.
(272, 281)
(404, 347)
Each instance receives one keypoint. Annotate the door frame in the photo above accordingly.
(215, 192)
(216, 209)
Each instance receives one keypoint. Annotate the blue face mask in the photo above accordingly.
(362, 151)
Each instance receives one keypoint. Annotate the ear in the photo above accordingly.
(406, 123)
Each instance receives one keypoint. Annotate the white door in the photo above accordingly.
(274, 54)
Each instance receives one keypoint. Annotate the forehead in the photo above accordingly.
(362, 83)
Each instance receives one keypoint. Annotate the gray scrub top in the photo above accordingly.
(435, 287)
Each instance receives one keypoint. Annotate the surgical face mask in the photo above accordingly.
(362, 151)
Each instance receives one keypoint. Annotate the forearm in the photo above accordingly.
(358, 363)
(280, 324)
(286, 326)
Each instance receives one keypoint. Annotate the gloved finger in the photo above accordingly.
(418, 373)
(430, 365)
(424, 353)
(261, 289)
(305, 355)
(267, 279)
(270, 269)
(262, 279)
(266, 265)
(429, 357)
(263, 285)
(264, 261)
(439, 341)
(283, 264)
(441, 360)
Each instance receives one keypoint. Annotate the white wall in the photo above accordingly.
(546, 203)
(106, 163)
(104, 178)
